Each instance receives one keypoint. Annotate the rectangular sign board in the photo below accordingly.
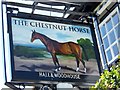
(51, 50)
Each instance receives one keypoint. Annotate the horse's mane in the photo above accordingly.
(46, 37)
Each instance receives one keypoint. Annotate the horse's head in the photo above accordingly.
(33, 37)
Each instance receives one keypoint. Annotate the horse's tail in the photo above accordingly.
(84, 52)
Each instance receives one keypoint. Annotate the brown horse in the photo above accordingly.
(55, 47)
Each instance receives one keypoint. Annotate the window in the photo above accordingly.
(109, 25)
(115, 19)
(115, 50)
(112, 37)
(119, 44)
(103, 30)
(98, 33)
(99, 38)
(106, 42)
(109, 55)
(103, 58)
(117, 30)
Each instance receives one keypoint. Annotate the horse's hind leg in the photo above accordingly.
(77, 64)
(78, 61)
(83, 65)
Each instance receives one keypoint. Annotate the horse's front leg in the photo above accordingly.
(59, 68)
(56, 63)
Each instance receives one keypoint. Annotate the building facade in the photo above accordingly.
(107, 27)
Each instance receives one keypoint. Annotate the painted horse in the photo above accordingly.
(55, 47)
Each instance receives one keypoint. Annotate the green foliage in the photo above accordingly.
(85, 42)
(32, 52)
(109, 80)
(119, 56)
(88, 46)
(28, 52)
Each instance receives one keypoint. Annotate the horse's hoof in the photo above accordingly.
(56, 70)
(85, 70)
(77, 69)
(59, 68)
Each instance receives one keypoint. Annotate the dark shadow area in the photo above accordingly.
(45, 67)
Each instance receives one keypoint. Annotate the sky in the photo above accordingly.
(22, 33)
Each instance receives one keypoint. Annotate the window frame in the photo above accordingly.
(110, 16)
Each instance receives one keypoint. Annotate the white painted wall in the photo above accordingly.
(2, 71)
(4, 58)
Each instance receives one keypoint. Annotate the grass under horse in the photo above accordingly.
(55, 47)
